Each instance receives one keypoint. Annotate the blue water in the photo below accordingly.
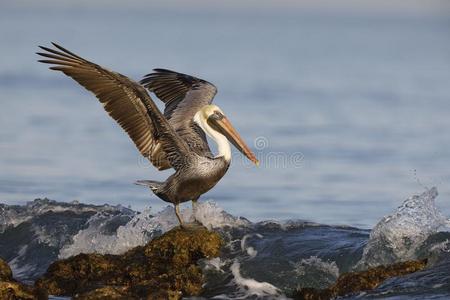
(349, 113)
(263, 260)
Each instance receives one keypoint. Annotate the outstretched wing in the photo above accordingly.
(183, 95)
(127, 103)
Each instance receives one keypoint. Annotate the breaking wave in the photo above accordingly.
(399, 236)
(266, 260)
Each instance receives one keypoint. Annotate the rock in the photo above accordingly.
(165, 268)
(106, 293)
(354, 282)
(10, 290)
(5, 271)
(13, 290)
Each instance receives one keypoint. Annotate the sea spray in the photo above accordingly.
(251, 287)
(325, 272)
(142, 228)
(398, 236)
(248, 249)
(285, 255)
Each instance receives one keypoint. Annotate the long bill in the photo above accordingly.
(224, 126)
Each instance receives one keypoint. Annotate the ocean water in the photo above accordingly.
(259, 260)
(348, 113)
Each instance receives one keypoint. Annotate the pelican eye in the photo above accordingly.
(217, 115)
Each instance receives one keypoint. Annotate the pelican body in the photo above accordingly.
(173, 139)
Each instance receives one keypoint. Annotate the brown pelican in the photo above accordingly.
(175, 139)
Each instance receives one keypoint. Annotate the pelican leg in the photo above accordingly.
(177, 212)
(194, 207)
(194, 210)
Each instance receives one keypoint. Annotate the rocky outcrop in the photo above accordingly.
(354, 282)
(12, 290)
(165, 268)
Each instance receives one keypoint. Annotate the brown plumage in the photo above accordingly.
(174, 140)
(183, 95)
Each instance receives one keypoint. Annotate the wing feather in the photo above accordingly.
(183, 96)
(127, 103)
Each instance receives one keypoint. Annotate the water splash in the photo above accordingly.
(250, 287)
(265, 260)
(214, 264)
(142, 228)
(317, 265)
(398, 236)
(213, 216)
(14, 215)
(249, 250)
(32, 235)
(100, 235)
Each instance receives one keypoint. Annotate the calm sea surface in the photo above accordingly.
(348, 114)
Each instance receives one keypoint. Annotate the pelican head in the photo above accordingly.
(215, 124)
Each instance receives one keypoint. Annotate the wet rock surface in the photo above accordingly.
(12, 290)
(354, 282)
(165, 268)
(5, 271)
(106, 293)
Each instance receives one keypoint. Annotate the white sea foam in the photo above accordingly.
(213, 216)
(138, 231)
(13, 215)
(441, 247)
(214, 264)
(397, 236)
(250, 250)
(315, 265)
(251, 287)
(141, 229)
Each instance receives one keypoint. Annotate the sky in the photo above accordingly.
(410, 7)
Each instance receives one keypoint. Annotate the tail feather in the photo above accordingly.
(153, 185)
